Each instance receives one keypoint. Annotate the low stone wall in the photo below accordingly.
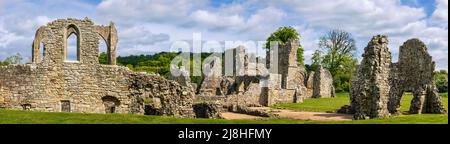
(208, 110)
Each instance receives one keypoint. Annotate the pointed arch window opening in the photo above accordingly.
(41, 51)
(72, 50)
(103, 54)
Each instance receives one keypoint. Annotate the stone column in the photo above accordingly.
(370, 91)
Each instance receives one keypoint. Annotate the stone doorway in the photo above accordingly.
(65, 106)
(111, 104)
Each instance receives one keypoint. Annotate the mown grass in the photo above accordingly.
(331, 104)
(324, 104)
(318, 105)
(28, 117)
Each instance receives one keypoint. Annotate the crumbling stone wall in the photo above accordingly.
(310, 85)
(370, 87)
(208, 110)
(55, 85)
(211, 84)
(323, 84)
(414, 73)
(290, 75)
(167, 97)
(379, 84)
(288, 65)
(180, 75)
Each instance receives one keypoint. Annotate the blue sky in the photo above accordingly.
(148, 26)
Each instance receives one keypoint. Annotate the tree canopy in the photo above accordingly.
(441, 80)
(336, 49)
(283, 35)
(335, 53)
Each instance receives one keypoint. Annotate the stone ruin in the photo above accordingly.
(53, 84)
(252, 82)
(370, 86)
(211, 85)
(323, 84)
(414, 72)
(379, 84)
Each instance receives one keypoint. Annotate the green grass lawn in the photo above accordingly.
(331, 104)
(318, 105)
(324, 104)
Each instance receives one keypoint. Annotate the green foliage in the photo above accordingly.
(441, 80)
(336, 49)
(335, 53)
(15, 59)
(3, 63)
(300, 57)
(102, 58)
(283, 35)
(158, 63)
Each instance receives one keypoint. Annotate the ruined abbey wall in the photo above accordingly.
(414, 73)
(370, 88)
(323, 83)
(379, 84)
(53, 84)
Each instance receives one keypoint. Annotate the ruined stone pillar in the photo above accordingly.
(288, 65)
(370, 89)
(323, 84)
(112, 44)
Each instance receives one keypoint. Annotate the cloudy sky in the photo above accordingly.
(148, 26)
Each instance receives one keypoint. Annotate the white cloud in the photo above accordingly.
(163, 11)
(151, 25)
(440, 15)
(215, 21)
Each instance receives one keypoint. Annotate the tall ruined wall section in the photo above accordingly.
(378, 86)
(323, 84)
(286, 84)
(414, 72)
(370, 89)
(53, 84)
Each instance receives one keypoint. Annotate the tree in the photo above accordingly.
(15, 59)
(3, 63)
(335, 48)
(102, 58)
(283, 35)
(441, 80)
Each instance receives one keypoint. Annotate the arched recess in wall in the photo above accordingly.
(111, 104)
(38, 48)
(72, 50)
(103, 50)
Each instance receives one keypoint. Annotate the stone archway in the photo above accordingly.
(111, 104)
(109, 35)
(414, 73)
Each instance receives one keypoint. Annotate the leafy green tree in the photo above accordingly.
(335, 53)
(441, 80)
(3, 63)
(283, 35)
(102, 58)
(335, 48)
(15, 59)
